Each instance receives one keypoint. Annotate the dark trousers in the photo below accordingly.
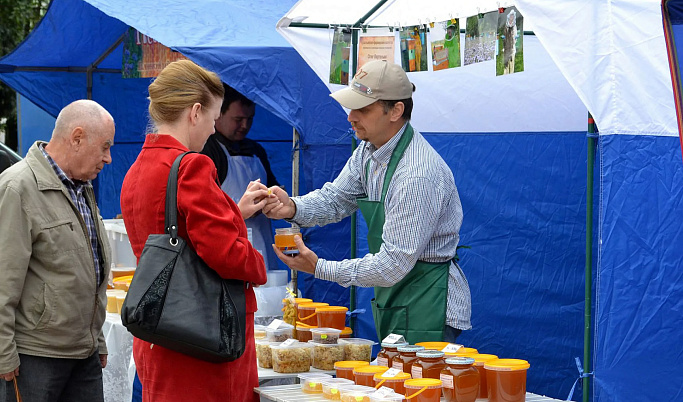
(451, 334)
(45, 379)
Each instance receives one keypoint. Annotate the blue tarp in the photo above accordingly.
(523, 194)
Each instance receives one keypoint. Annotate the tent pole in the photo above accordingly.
(354, 216)
(295, 192)
(589, 256)
(99, 60)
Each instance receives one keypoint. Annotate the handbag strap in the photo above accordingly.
(171, 220)
(16, 390)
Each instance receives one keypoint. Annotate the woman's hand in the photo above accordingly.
(254, 199)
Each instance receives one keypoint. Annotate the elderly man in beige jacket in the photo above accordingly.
(55, 263)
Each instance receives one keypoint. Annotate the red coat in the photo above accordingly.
(212, 224)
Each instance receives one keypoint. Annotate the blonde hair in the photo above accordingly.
(180, 85)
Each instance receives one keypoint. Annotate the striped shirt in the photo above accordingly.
(422, 183)
(76, 189)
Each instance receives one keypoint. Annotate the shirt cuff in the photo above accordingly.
(324, 270)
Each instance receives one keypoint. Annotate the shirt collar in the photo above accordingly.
(76, 184)
(383, 153)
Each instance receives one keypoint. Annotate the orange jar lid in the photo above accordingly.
(346, 331)
(299, 300)
(433, 345)
(480, 359)
(370, 369)
(464, 352)
(399, 376)
(312, 305)
(419, 383)
(350, 364)
(331, 309)
(507, 365)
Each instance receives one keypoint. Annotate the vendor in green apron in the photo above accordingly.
(407, 195)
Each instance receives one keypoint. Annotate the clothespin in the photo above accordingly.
(364, 28)
(391, 29)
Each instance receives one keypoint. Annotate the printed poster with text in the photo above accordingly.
(445, 39)
(375, 48)
(143, 57)
(510, 44)
(339, 58)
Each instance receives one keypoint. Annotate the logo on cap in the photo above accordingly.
(362, 88)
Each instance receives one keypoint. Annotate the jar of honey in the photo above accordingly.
(433, 345)
(463, 352)
(479, 361)
(395, 382)
(460, 380)
(428, 365)
(331, 317)
(423, 390)
(364, 375)
(306, 313)
(506, 380)
(407, 355)
(284, 240)
(386, 356)
(344, 368)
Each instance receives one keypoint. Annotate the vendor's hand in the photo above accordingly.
(305, 261)
(103, 360)
(10, 376)
(282, 207)
(254, 199)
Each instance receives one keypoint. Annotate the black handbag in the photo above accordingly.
(176, 301)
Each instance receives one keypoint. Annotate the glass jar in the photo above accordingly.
(284, 240)
(460, 380)
(386, 356)
(428, 365)
(407, 355)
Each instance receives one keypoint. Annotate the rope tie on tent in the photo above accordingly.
(582, 375)
(355, 312)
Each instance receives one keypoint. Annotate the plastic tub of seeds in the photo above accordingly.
(355, 393)
(292, 357)
(357, 348)
(326, 354)
(331, 388)
(259, 332)
(325, 335)
(311, 383)
(264, 354)
(281, 333)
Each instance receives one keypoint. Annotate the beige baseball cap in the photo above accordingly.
(375, 80)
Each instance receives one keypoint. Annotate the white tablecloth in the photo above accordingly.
(120, 371)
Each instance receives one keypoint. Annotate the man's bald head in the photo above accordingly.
(81, 113)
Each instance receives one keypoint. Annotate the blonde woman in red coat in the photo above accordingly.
(185, 100)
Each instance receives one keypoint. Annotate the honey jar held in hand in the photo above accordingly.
(284, 240)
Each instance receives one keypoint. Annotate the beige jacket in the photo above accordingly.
(50, 304)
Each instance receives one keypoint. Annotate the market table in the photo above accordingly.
(117, 377)
(293, 393)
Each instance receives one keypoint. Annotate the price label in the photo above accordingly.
(392, 372)
(275, 324)
(288, 342)
(451, 348)
(394, 338)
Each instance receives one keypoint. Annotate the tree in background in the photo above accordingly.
(17, 19)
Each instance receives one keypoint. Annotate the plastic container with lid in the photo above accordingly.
(506, 380)
(428, 365)
(259, 331)
(326, 354)
(357, 348)
(386, 356)
(331, 317)
(280, 334)
(284, 240)
(331, 388)
(355, 393)
(395, 382)
(264, 355)
(433, 345)
(344, 368)
(407, 355)
(303, 332)
(346, 332)
(311, 383)
(325, 335)
(364, 375)
(463, 352)
(395, 397)
(306, 313)
(423, 390)
(291, 358)
(479, 361)
(460, 380)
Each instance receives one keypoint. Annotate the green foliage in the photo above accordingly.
(17, 19)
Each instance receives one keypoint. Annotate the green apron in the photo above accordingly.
(415, 307)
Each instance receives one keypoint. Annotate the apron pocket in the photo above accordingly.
(390, 320)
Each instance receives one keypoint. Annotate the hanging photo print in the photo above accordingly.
(339, 59)
(375, 48)
(480, 37)
(510, 55)
(414, 48)
(445, 39)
